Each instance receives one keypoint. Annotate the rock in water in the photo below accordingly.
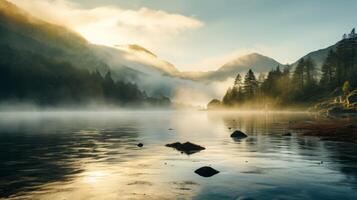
(187, 148)
(287, 134)
(140, 145)
(206, 171)
(238, 135)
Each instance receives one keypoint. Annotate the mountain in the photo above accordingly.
(144, 60)
(47, 63)
(22, 31)
(257, 62)
(317, 56)
(29, 77)
(130, 63)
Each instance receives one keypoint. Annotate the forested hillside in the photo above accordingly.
(29, 77)
(303, 85)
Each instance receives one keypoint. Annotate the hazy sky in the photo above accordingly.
(203, 34)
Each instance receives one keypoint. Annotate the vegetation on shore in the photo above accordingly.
(303, 85)
(32, 78)
(336, 130)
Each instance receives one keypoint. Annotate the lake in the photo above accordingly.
(94, 155)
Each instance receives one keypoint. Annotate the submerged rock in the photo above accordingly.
(351, 126)
(206, 171)
(140, 145)
(187, 147)
(287, 134)
(238, 135)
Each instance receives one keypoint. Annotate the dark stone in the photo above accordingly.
(287, 134)
(170, 129)
(351, 126)
(206, 171)
(238, 135)
(335, 110)
(352, 97)
(187, 148)
(140, 145)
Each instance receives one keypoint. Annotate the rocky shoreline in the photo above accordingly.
(339, 106)
(344, 130)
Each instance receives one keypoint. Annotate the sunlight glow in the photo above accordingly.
(94, 176)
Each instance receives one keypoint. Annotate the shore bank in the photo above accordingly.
(330, 129)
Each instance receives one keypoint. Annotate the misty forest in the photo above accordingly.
(182, 99)
(302, 85)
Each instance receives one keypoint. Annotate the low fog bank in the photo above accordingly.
(90, 107)
(158, 78)
(107, 108)
(183, 91)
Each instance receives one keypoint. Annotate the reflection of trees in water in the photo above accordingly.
(303, 151)
(345, 159)
(342, 155)
(258, 122)
(29, 160)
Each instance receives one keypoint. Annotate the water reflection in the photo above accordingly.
(93, 155)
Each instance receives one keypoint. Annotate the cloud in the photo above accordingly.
(111, 25)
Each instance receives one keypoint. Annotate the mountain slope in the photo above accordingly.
(142, 59)
(27, 77)
(318, 56)
(257, 62)
(22, 31)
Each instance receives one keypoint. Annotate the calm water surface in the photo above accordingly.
(93, 155)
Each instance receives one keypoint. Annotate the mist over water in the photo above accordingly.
(94, 155)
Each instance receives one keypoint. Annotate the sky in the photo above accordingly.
(201, 35)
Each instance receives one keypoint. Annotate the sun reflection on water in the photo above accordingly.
(87, 157)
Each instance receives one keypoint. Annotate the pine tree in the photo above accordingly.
(227, 99)
(238, 81)
(298, 75)
(250, 84)
(328, 70)
(310, 72)
(284, 84)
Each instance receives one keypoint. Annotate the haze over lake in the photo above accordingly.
(94, 155)
(178, 99)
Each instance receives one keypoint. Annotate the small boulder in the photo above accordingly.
(206, 171)
(352, 97)
(351, 126)
(335, 110)
(140, 145)
(187, 147)
(238, 135)
(287, 134)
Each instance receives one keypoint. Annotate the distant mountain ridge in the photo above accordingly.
(257, 62)
(320, 55)
(317, 56)
(130, 63)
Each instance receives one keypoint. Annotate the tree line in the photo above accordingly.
(304, 84)
(29, 77)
